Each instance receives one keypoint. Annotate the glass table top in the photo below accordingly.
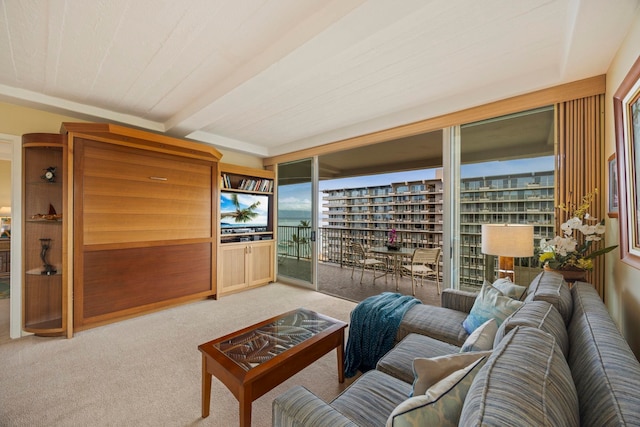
(266, 341)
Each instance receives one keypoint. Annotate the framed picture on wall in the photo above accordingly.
(626, 110)
(612, 210)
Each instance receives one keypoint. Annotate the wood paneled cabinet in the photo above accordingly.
(245, 265)
(44, 241)
(246, 251)
(117, 222)
(145, 229)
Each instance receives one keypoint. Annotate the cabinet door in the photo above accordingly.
(233, 267)
(143, 231)
(260, 263)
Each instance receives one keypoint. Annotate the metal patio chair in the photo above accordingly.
(425, 263)
(363, 259)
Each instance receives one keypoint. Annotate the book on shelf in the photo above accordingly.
(225, 181)
(260, 185)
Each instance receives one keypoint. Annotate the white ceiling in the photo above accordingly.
(273, 76)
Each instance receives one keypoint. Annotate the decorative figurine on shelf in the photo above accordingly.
(49, 174)
(51, 216)
(48, 269)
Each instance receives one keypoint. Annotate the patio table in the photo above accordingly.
(396, 255)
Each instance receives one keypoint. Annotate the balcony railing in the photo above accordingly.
(294, 241)
(334, 242)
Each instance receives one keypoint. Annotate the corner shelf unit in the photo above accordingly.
(44, 235)
(246, 253)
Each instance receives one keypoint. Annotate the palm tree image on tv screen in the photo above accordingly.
(243, 211)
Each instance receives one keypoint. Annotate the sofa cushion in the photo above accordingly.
(299, 407)
(441, 404)
(525, 379)
(551, 287)
(482, 338)
(371, 398)
(510, 289)
(443, 324)
(605, 370)
(490, 304)
(398, 362)
(456, 299)
(540, 315)
(429, 371)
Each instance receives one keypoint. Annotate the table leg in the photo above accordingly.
(340, 353)
(244, 402)
(396, 271)
(206, 388)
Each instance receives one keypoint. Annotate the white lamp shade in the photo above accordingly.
(5, 211)
(507, 240)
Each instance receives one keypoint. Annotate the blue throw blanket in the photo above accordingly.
(373, 328)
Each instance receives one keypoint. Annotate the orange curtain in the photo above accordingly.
(580, 164)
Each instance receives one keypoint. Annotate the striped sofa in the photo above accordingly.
(559, 360)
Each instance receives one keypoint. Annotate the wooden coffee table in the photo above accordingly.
(254, 360)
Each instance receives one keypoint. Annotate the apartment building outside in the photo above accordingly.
(414, 209)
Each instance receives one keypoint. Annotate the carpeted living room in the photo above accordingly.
(311, 214)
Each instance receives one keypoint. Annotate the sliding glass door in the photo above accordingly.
(506, 176)
(434, 189)
(296, 223)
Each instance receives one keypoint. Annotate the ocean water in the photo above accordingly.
(291, 221)
(293, 217)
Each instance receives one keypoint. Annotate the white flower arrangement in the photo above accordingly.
(575, 251)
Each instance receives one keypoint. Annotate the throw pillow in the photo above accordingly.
(441, 404)
(489, 304)
(510, 289)
(482, 338)
(428, 371)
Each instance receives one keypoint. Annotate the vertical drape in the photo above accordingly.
(579, 164)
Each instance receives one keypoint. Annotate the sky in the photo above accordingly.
(296, 197)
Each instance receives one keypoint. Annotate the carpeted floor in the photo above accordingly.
(146, 371)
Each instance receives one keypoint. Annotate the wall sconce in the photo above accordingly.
(507, 241)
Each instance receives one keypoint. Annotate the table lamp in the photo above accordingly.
(507, 241)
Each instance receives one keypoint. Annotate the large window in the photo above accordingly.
(506, 176)
(296, 222)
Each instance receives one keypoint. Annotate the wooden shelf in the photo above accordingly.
(236, 190)
(47, 328)
(44, 296)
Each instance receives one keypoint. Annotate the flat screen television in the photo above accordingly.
(240, 210)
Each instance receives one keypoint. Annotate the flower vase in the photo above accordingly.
(570, 276)
(393, 247)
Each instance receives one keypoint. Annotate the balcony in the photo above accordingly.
(335, 263)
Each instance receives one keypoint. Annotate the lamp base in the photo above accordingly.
(505, 268)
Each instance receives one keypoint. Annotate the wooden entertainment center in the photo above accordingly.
(246, 253)
(131, 223)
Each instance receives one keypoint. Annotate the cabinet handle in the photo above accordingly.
(158, 178)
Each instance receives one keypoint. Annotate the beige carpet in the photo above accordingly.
(147, 371)
(4, 323)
